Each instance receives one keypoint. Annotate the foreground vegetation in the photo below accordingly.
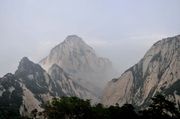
(75, 108)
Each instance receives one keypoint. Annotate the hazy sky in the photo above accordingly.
(122, 30)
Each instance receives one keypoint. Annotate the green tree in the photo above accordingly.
(68, 108)
(114, 112)
(127, 111)
(161, 108)
(100, 112)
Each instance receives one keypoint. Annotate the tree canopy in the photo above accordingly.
(76, 108)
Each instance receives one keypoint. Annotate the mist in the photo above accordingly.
(119, 30)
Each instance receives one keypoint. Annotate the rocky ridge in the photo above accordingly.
(157, 71)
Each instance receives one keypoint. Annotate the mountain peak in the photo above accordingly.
(79, 60)
(25, 65)
(73, 38)
(72, 44)
(75, 41)
(24, 59)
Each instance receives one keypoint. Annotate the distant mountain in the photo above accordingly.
(71, 69)
(78, 59)
(157, 71)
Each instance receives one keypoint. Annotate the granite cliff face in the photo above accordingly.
(11, 94)
(157, 71)
(31, 86)
(78, 59)
(35, 83)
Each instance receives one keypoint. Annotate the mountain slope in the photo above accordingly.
(31, 86)
(10, 96)
(78, 59)
(64, 84)
(35, 84)
(157, 71)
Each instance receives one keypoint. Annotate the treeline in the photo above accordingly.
(75, 108)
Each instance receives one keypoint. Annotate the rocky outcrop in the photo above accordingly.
(157, 71)
(11, 94)
(35, 83)
(31, 86)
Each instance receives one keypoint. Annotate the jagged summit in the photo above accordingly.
(24, 60)
(72, 44)
(25, 65)
(8, 75)
(7, 79)
(167, 40)
(73, 38)
(76, 42)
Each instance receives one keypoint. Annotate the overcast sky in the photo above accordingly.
(121, 30)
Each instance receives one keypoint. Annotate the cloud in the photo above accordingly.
(42, 49)
(98, 43)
